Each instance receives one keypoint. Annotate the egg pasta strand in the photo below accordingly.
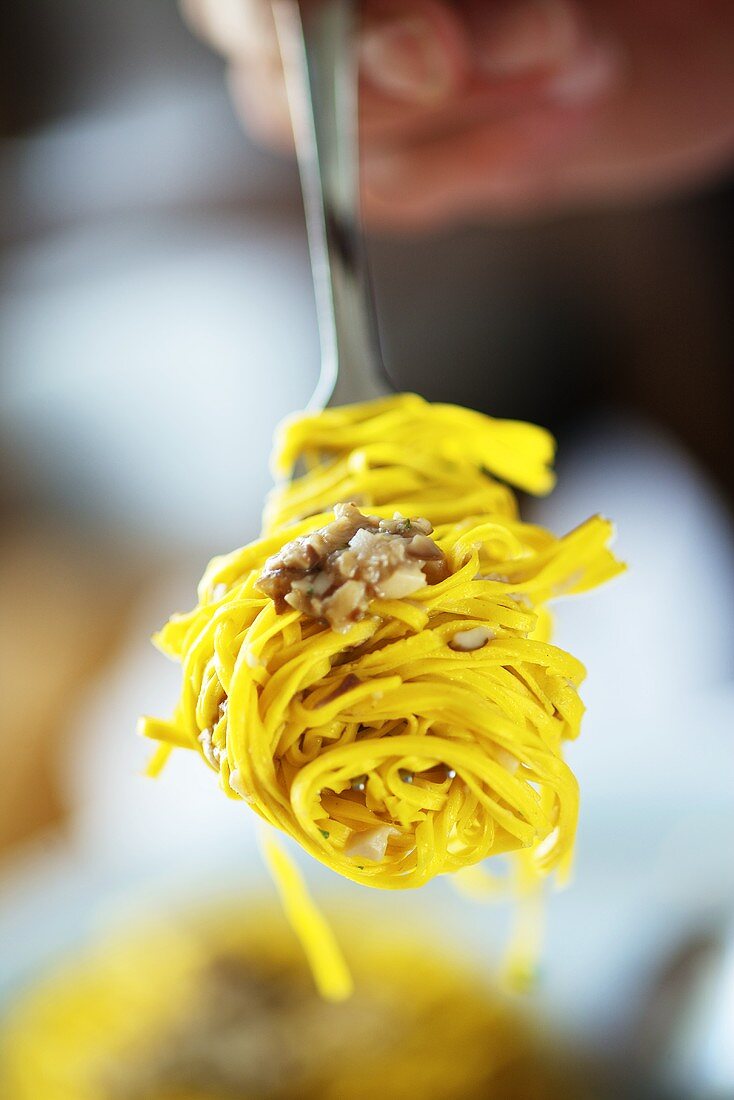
(393, 751)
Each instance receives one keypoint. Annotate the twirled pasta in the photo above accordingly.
(386, 753)
(437, 461)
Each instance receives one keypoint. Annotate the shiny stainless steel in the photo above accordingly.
(318, 47)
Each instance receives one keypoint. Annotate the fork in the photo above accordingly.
(318, 48)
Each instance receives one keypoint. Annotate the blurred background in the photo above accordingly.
(154, 266)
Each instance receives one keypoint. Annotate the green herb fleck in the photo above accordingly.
(324, 833)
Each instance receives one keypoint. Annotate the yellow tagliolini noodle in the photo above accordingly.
(445, 757)
(220, 1006)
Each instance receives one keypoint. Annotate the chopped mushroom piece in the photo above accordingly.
(467, 640)
(371, 844)
(334, 572)
(212, 752)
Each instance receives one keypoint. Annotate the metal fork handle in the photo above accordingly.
(318, 47)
